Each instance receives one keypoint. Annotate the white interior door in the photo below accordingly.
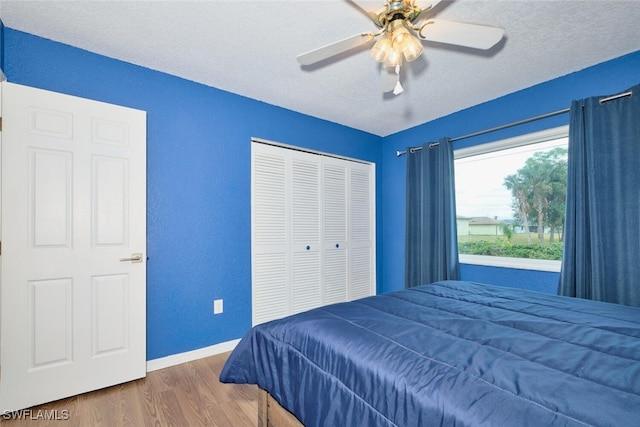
(73, 213)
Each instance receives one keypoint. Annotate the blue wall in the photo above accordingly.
(198, 145)
(198, 155)
(604, 79)
(1, 46)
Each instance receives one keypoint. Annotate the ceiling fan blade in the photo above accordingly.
(426, 5)
(388, 78)
(362, 9)
(460, 33)
(333, 49)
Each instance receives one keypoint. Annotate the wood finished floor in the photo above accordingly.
(183, 395)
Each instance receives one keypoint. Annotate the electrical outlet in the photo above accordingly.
(217, 306)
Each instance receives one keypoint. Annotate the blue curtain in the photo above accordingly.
(431, 245)
(601, 259)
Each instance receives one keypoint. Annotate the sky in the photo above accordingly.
(479, 179)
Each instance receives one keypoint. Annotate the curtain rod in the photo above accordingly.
(516, 123)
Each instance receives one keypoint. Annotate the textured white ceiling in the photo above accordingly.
(249, 48)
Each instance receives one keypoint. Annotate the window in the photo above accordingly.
(510, 201)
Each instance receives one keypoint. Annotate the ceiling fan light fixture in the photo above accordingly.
(380, 50)
(403, 41)
(394, 59)
(412, 49)
(399, 33)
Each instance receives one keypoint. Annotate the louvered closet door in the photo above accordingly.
(270, 219)
(336, 244)
(361, 231)
(313, 231)
(306, 244)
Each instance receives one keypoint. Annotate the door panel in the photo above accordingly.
(53, 123)
(51, 322)
(362, 234)
(50, 174)
(73, 205)
(110, 201)
(110, 298)
(269, 218)
(307, 280)
(306, 274)
(336, 224)
(335, 276)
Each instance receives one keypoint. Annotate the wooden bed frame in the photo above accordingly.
(271, 414)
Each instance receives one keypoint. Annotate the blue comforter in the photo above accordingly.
(450, 354)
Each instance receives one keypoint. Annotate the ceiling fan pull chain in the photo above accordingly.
(398, 89)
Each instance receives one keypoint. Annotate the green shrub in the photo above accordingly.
(501, 247)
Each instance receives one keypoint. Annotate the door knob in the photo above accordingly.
(137, 257)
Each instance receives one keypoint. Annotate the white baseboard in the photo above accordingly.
(176, 359)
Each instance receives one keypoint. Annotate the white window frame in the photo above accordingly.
(518, 141)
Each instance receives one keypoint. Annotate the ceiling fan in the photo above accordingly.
(400, 21)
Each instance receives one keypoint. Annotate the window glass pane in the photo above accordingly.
(510, 203)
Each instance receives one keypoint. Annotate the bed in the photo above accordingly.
(450, 353)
